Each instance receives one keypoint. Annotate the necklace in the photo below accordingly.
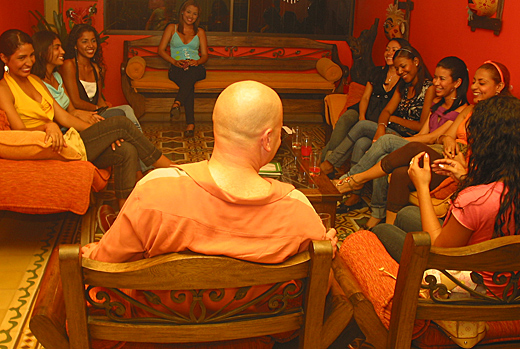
(389, 80)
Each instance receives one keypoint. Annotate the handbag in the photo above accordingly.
(466, 334)
(74, 141)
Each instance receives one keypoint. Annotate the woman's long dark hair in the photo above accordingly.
(458, 70)
(422, 73)
(70, 48)
(42, 42)
(10, 41)
(185, 4)
(494, 139)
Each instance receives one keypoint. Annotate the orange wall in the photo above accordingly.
(18, 17)
(439, 28)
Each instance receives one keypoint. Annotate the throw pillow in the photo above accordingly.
(355, 92)
(29, 145)
(328, 69)
(135, 67)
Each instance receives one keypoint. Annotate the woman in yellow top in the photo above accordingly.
(30, 106)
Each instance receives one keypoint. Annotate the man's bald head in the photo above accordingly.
(244, 110)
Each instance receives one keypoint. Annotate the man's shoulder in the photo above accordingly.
(170, 173)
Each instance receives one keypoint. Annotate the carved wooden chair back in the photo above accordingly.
(497, 256)
(197, 274)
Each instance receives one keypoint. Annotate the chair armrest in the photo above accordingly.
(48, 320)
(364, 313)
(338, 316)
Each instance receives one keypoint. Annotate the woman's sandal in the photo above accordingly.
(347, 185)
(175, 112)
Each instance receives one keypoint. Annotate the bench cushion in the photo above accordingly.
(218, 80)
(48, 186)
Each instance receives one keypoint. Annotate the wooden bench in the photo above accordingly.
(288, 65)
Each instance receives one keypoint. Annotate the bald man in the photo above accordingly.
(221, 206)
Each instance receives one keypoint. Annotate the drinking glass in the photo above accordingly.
(296, 138)
(314, 163)
(325, 219)
(306, 147)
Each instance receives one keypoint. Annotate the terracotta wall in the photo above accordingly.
(18, 17)
(439, 28)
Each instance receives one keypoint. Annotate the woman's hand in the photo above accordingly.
(449, 167)
(420, 176)
(381, 131)
(181, 63)
(332, 237)
(193, 62)
(88, 116)
(54, 136)
(117, 143)
(450, 147)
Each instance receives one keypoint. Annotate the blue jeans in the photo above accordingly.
(361, 129)
(382, 147)
(341, 129)
(392, 236)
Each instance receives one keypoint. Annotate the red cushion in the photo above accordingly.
(48, 186)
(355, 92)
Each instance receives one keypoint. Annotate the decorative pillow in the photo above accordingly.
(355, 92)
(135, 67)
(328, 69)
(29, 145)
(4, 123)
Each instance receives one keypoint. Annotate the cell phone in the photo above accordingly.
(101, 109)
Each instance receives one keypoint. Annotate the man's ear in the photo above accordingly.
(267, 140)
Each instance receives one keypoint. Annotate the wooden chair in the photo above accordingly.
(187, 271)
(496, 256)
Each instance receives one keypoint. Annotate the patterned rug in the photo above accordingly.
(46, 232)
(169, 138)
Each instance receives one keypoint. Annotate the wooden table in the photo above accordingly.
(320, 190)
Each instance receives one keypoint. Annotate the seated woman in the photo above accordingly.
(30, 106)
(188, 51)
(379, 89)
(484, 205)
(451, 86)
(83, 72)
(490, 79)
(404, 115)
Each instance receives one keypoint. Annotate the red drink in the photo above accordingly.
(315, 170)
(306, 151)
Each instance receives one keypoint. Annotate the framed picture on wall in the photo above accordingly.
(485, 14)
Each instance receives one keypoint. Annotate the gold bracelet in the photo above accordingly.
(382, 123)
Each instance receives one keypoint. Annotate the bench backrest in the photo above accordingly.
(228, 52)
(199, 275)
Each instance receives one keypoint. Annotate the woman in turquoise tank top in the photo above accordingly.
(188, 51)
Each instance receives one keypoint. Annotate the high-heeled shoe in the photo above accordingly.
(175, 113)
(347, 185)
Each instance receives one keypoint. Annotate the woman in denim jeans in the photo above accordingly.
(29, 106)
(403, 115)
(379, 89)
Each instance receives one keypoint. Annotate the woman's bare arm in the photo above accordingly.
(68, 72)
